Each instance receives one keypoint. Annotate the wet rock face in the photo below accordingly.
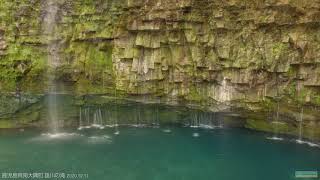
(19, 110)
(234, 50)
(11, 104)
(224, 50)
(237, 52)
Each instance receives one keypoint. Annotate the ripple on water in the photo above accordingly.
(100, 139)
(56, 136)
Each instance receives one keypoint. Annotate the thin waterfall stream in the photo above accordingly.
(49, 26)
(299, 140)
(276, 124)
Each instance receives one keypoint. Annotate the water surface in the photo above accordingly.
(157, 153)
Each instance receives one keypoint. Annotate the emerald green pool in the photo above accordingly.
(164, 153)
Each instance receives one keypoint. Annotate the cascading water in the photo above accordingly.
(205, 120)
(87, 115)
(299, 140)
(155, 118)
(80, 118)
(84, 119)
(224, 91)
(194, 120)
(220, 121)
(49, 25)
(276, 124)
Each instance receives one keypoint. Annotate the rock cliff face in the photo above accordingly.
(248, 54)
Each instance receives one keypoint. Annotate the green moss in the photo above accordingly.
(279, 48)
(7, 124)
(93, 62)
(267, 104)
(194, 95)
(259, 125)
(22, 66)
(317, 100)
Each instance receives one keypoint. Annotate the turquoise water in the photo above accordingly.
(157, 154)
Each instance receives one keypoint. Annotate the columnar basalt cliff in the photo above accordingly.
(247, 54)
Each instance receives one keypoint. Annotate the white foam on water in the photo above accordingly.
(311, 144)
(109, 126)
(275, 138)
(100, 139)
(61, 135)
(56, 136)
(195, 134)
(154, 125)
(166, 131)
(138, 125)
(301, 141)
(117, 133)
(194, 126)
(84, 127)
(205, 126)
(97, 126)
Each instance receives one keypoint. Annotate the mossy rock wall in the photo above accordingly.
(242, 53)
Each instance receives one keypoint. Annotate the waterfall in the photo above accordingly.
(49, 24)
(80, 118)
(97, 119)
(299, 140)
(277, 119)
(84, 118)
(276, 124)
(87, 114)
(205, 120)
(114, 121)
(194, 120)
(155, 117)
(224, 91)
(138, 117)
(110, 118)
(211, 119)
(220, 122)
